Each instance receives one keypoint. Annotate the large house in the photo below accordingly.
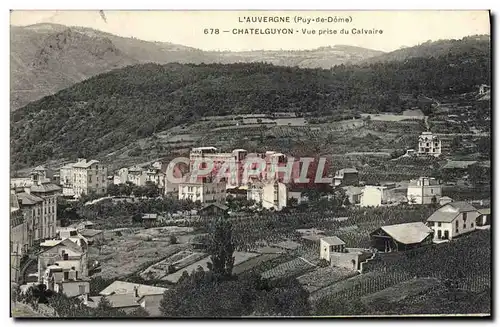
(429, 144)
(269, 194)
(211, 154)
(453, 219)
(130, 296)
(334, 250)
(401, 237)
(84, 177)
(424, 190)
(63, 268)
(346, 177)
(204, 189)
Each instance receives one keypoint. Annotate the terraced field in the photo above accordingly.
(295, 267)
(323, 277)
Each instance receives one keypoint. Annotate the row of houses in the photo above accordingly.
(446, 223)
(33, 216)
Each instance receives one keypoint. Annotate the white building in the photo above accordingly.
(328, 245)
(63, 268)
(270, 194)
(84, 177)
(373, 196)
(205, 190)
(429, 144)
(424, 190)
(453, 219)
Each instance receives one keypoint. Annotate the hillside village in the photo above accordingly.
(326, 244)
(339, 181)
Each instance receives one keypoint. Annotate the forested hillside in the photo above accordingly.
(46, 58)
(471, 45)
(113, 109)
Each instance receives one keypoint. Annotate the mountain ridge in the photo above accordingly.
(46, 58)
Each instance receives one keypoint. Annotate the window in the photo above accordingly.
(472, 225)
(465, 225)
(432, 191)
(66, 275)
(439, 224)
(464, 216)
(456, 224)
(439, 234)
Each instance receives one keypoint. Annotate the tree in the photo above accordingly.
(113, 190)
(139, 312)
(221, 248)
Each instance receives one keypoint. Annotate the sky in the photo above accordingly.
(400, 28)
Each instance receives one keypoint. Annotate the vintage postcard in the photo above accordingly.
(250, 164)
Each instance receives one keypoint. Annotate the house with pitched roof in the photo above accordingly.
(453, 219)
(334, 250)
(346, 176)
(129, 296)
(401, 237)
(84, 177)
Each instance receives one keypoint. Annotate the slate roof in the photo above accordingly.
(45, 187)
(28, 199)
(119, 287)
(86, 164)
(90, 232)
(409, 233)
(68, 243)
(450, 211)
(485, 211)
(116, 301)
(333, 240)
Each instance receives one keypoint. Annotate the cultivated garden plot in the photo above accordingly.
(239, 257)
(322, 277)
(400, 291)
(291, 268)
(125, 251)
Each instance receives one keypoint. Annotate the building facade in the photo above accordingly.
(346, 177)
(452, 220)
(424, 190)
(373, 196)
(205, 190)
(89, 177)
(269, 194)
(84, 177)
(429, 144)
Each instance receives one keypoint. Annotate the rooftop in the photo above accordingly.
(116, 301)
(45, 187)
(348, 170)
(333, 240)
(119, 287)
(28, 199)
(409, 233)
(485, 211)
(450, 211)
(90, 232)
(84, 164)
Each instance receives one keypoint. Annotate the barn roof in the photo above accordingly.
(333, 240)
(409, 233)
(450, 211)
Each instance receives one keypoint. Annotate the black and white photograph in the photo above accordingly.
(250, 164)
